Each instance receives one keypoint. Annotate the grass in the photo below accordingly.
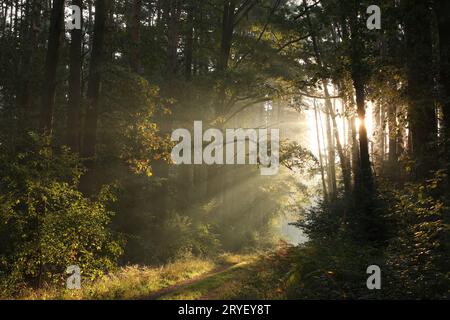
(131, 282)
(222, 285)
(259, 276)
(229, 276)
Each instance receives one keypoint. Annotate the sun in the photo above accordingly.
(343, 126)
(369, 120)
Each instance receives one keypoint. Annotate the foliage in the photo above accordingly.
(414, 259)
(185, 236)
(419, 256)
(295, 157)
(46, 223)
(115, 91)
(130, 282)
(128, 129)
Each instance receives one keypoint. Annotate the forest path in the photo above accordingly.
(216, 284)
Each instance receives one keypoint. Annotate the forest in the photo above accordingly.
(355, 95)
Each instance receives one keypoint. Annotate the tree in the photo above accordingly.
(421, 109)
(359, 77)
(97, 65)
(51, 64)
(442, 10)
(28, 56)
(75, 94)
(134, 26)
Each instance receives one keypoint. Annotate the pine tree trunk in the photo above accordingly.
(392, 124)
(29, 48)
(51, 64)
(332, 185)
(322, 172)
(95, 72)
(345, 167)
(135, 35)
(442, 9)
(421, 109)
(364, 182)
(74, 112)
(188, 54)
(161, 168)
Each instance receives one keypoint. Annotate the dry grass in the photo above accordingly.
(136, 282)
(131, 282)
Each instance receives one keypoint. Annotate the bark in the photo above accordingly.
(345, 167)
(51, 64)
(421, 109)
(378, 154)
(227, 34)
(364, 180)
(135, 35)
(332, 185)
(173, 38)
(216, 181)
(95, 71)
(442, 9)
(189, 42)
(225, 49)
(161, 168)
(364, 177)
(74, 112)
(392, 125)
(332, 137)
(355, 149)
(28, 66)
(322, 172)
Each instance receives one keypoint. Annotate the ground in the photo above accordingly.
(228, 276)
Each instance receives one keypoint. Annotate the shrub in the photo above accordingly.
(414, 253)
(418, 258)
(46, 223)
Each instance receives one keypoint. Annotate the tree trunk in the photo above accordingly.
(51, 64)
(95, 71)
(215, 182)
(378, 159)
(421, 109)
(345, 167)
(135, 35)
(322, 173)
(442, 8)
(392, 124)
(365, 172)
(225, 49)
(332, 185)
(28, 66)
(161, 168)
(227, 33)
(364, 180)
(74, 112)
(331, 136)
(173, 38)
(189, 48)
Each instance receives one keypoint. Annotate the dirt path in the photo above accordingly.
(183, 284)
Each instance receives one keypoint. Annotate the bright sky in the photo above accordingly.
(313, 145)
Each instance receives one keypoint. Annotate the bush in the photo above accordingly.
(414, 257)
(185, 236)
(46, 223)
(419, 257)
(333, 263)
